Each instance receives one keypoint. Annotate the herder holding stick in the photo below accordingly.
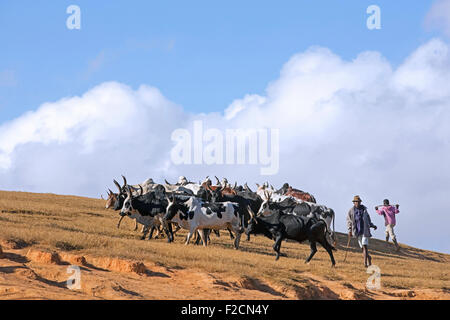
(389, 213)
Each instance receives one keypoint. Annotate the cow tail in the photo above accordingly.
(334, 230)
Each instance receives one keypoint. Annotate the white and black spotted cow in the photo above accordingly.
(194, 214)
(148, 209)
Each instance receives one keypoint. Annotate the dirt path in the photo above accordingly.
(31, 273)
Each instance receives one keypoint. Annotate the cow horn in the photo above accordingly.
(235, 185)
(101, 196)
(118, 186)
(218, 182)
(124, 181)
(142, 190)
(129, 194)
(250, 212)
(271, 186)
(167, 182)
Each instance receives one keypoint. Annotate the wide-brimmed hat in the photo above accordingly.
(356, 199)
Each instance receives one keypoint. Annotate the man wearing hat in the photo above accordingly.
(389, 213)
(359, 224)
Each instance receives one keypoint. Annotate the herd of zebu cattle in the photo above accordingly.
(200, 208)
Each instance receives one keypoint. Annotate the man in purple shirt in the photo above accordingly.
(389, 213)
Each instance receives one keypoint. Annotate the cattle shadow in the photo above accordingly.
(151, 273)
(15, 257)
(255, 284)
(126, 291)
(16, 269)
(11, 269)
(58, 284)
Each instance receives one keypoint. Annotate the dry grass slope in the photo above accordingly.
(81, 226)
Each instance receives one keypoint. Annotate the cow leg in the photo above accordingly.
(313, 250)
(120, 220)
(197, 238)
(189, 235)
(151, 232)
(217, 233)
(177, 227)
(136, 226)
(156, 228)
(159, 232)
(277, 246)
(157, 225)
(231, 234)
(329, 249)
(145, 231)
(167, 226)
(203, 235)
(238, 238)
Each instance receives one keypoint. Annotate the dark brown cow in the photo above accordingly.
(299, 194)
(223, 190)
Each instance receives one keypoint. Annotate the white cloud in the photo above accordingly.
(346, 128)
(439, 16)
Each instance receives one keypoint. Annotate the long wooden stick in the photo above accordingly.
(391, 205)
(348, 245)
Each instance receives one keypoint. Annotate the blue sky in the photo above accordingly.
(200, 54)
(124, 74)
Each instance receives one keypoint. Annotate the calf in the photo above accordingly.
(279, 226)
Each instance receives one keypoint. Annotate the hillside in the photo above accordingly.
(42, 234)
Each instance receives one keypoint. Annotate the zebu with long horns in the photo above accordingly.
(148, 209)
(290, 205)
(279, 226)
(115, 200)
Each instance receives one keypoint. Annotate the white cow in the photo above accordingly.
(194, 215)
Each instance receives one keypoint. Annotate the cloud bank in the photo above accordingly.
(346, 128)
(439, 16)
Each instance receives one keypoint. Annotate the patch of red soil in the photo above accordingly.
(45, 257)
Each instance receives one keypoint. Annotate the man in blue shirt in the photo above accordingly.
(359, 224)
